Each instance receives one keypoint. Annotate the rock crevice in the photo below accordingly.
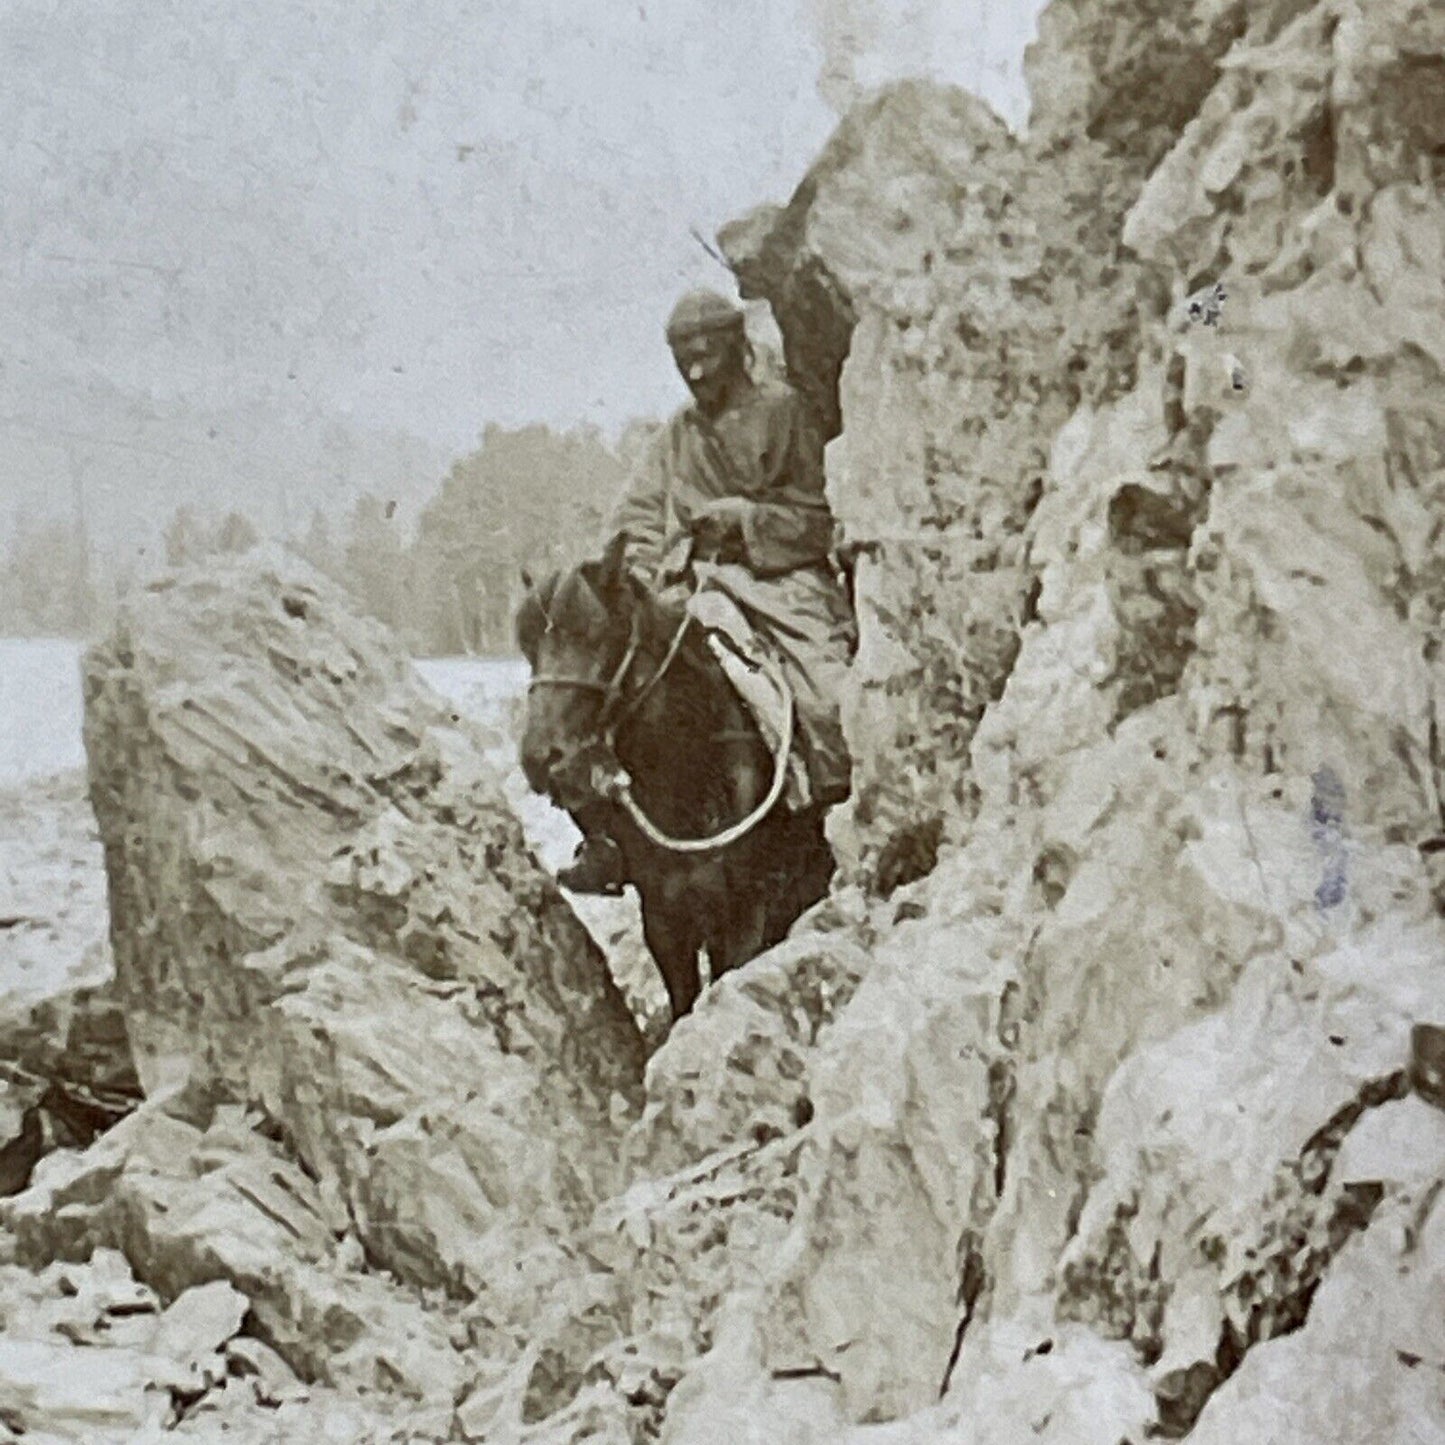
(1103, 1098)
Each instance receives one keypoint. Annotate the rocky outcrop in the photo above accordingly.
(190, 1206)
(984, 294)
(1103, 1100)
(899, 1170)
(90, 1354)
(1202, 1240)
(310, 874)
(1183, 716)
(67, 1075)
(385, 1067)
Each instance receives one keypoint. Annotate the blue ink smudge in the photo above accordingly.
(1327, 828)
(1331, 892)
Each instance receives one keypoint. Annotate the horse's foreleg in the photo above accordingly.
(741, 935)
(674, 941)
(804, 877)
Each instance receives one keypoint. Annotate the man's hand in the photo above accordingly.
(721, 520)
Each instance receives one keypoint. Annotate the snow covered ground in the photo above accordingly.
(40, 708)
(484, 688)
(52, 881)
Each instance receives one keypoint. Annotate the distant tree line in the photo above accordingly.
(56, 584)
(525, 498)
(47, 588)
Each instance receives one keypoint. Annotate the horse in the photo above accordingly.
(633, 724)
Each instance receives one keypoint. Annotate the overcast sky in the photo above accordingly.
(412, 215)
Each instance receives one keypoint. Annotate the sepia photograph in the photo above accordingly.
(720, 724)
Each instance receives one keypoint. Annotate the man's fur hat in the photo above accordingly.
(703, 311)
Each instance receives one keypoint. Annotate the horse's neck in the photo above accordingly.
(689, 696)
(683, 741)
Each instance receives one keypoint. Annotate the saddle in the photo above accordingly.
(756, 677)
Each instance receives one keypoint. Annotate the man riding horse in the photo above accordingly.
(730, 502)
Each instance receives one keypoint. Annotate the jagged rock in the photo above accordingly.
(1156, 658)
(1152, 898)
(1367, 1363)
(687, 1245)
(737, 1069)
(731, 1397)
(198, 1322)
(190, 1207)
(1202, 1239)
(68, 1076)
(273, 1380)
(43, 1392)
(1130, 75)
(1400, 1144)
(1063, 1386)
(322, 906)
(898, 1170)
(85, 1360)
(976, 323)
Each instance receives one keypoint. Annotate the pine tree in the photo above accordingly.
(186, 539)
(374, 562)
(236, 534)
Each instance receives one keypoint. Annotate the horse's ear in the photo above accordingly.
(527, 626)
(527, 581)
(614, 558)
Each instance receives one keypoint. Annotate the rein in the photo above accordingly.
(668, 658)
(618, 788)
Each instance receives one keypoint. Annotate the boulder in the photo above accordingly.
(199, 1322)
(736, 1071)
(68, 1075)
(322, 907)
(226, 1209)
(43, 1391)
(1366, 1363)
(1143, 1074)
(88, 1359)
(1204, 1241)
(897, 1173)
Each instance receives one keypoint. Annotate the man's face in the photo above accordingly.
(708, 361)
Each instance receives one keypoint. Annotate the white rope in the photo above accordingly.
(620, 789)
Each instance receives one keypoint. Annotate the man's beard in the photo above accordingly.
(712, 392)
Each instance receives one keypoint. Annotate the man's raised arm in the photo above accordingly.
(791, 524)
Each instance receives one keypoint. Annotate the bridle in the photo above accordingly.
(613, 715)
(617, 786)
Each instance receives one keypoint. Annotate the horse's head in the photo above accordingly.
(576, 630)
